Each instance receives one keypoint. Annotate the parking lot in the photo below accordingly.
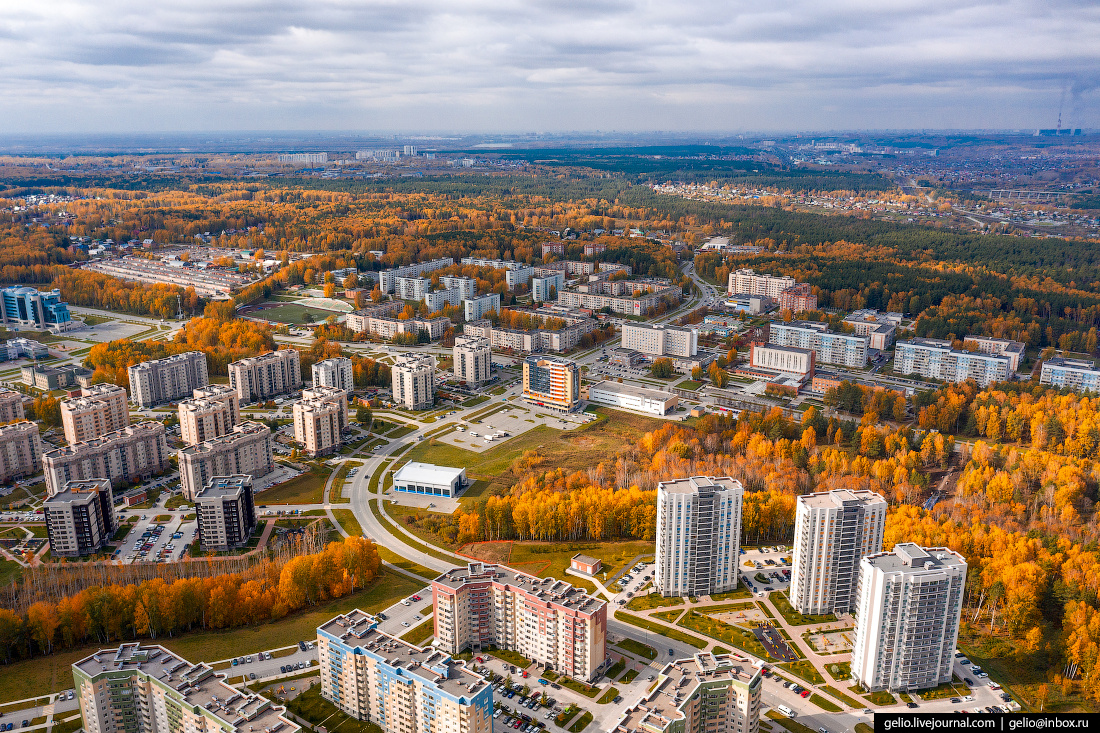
(150, 541)
(633, 581)
(773, 563)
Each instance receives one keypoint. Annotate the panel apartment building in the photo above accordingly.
(259, 378)
(829, 347)
(335, 372)
(136, 452)
(539, 339)
(119, 687)
(403, 688)
(475, 308)
(547, 621)
(660, 340)
(226, 513)
(935, 359)
(1014, 350)
(909, 604)
(413, 377)
(80, 519)
(387, 279)
(748, 282)
(1080, 375)
(20, 450)
(716, 693)
(552, 382)
(11, 405)
(833, 531)
(698, 535)
(473, 360)
(100, 409)
(211, 413)
(319, 419)
(246, 450)
(159, 381)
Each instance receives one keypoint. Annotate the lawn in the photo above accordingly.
(637, 648)
(689, 384)
(790, 724)
(580, 723)
(347, 520)
(420, 633)
(669, 616)
(660, 630)
(741, 638)
(475, 401)
(793, 617)
(847, 700)
(336, 494)
(396, 560)
(530, 556)
(944, 691)
(805, 670)
(824, 704)
(316, 710)
(741, 592)
(653, 600)
(581, 687)
(294, 314)
(840, 671)
(882, 697)
(306, 488)
(54, 672)
(608, 696)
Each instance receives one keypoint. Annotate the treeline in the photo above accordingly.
(97, 290)
(114, 613)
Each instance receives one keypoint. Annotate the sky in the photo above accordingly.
(546, 66)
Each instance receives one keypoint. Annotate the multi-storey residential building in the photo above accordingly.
(436, 299)
(1014, 350)
(698, 535)
(747, 281)
(467, 286)
(935, 359)
(258, 378)
(476, 308)
(319, 418)
(335, 372)
(11, 405)
(473, 360)
(845, 349)
(540, 339)
(80, 519)
(25, 306)
(20, 450)
(359, 320)
(591, 249)
(547, 621)
(716, 693)
(909, 603)
(547, 288)
(313, 158)
(1080, 375)
(387, 279)
(158, 381)
(246, 450)
(101, 408)
(135, 688)
(373, 676)
(552, 382)
(414, 381)
(798, 298)
(386, 327)
(880, 328)
(135, 452)
(516, 273)
(210, 413)
(635, 305)
(553, 248)
(660, 340)
(226, 513)
(833, 531)
(411, 288)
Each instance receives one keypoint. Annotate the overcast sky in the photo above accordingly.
(561, 65)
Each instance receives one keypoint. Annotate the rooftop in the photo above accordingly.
(839, 497)
(145, 426)
(359, 630)
(912, 557)
(695, 483)
(550, 590)
(240, 431)
(220, 487)
(79, 491)
(428, 474)
(1061, 361)
(197, 685)
(630, 389)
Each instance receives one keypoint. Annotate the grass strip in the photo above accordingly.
(825, 704)
(661, 630)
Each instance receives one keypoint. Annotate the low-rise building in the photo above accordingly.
(473, 360)
(20, 450)
(226, 513)
(21, 348)
(747, 303)
(585, 564)
(935, 359)
(630, 397)
(1080, 375)
(101, 408)
(246, 450)
(424, 478)
(372, 676)
(55, 377)
(552, 382)
(625, 357)
(175, 377)
(259, 378)
(880, 328)
(210, 413)
(545, 620)
(131, 454)
(80, 518)
(1014, 350)
(133, 682)
(335, 372)
(207, 282)
(413, 378)
(782, 360)
(660, 340)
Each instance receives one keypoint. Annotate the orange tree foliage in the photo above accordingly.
(114, 613)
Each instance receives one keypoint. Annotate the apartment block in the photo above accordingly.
(798, 298)
(387, 279)
(358, 320)
(134, 687)
(159, 381)
(414, 381)
(25, 306)
(552, 382)
(591, 249)
(246, 450)
(403, 688)
(547, 288)
(436, 299)
(226, 513)
(747, 281)
(539, 339)
(467, 286)
(476, 308)
(516, 273)
(880, 328)
(80, 519)
(319, 418)
(11, 405)
(210, 413)
(1014, 350)
(20, 450)
(133, 453)
(335, 372)
(909, 604)
(1080, 375)
(660, 340)
(635, 305)
(473, 360)
(547, 621)
(386, 327)
(312, 158)
(829, 347)
(259, 378)
(935, 359)
(833, 531)
(411, 288)
(100, 409)
(698, 535)
(553, 248)
(716, 693)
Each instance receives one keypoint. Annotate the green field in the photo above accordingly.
(306, 488)
(294, 314)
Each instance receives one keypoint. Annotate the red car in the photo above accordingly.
(805, 693)
(416, 598)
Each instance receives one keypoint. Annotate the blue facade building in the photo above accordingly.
(25, 306)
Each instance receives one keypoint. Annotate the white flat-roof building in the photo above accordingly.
(473, 360)
(467, 286)
(629, 397)
(335, 372)
(387, 279)
(880, 328)
(698, 535)
(1080, 375)
(935, 359)
(424, 478)
(158, 381)
(660, 340)
(748, 282)
(783, 359)
(1014, 350)
(436, 299)
(547, 288)
(476, 308)
(845, 349)
(909, 604)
